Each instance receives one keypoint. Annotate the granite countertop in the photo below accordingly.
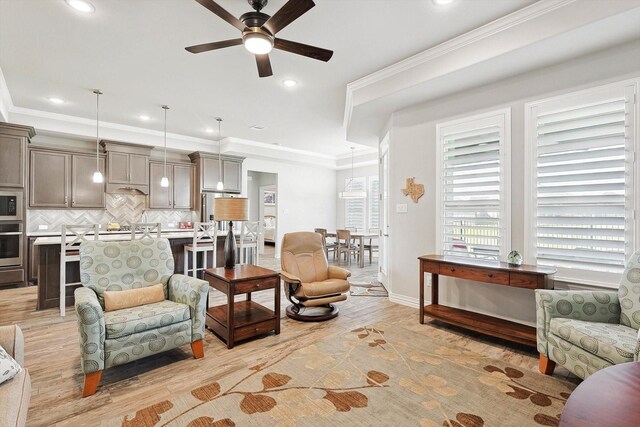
(45, 233)
(116, 236)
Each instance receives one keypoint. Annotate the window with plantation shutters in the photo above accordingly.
(355, 208)
(374, 203)
(473, 173)
(581, 149)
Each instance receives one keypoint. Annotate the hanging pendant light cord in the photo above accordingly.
(97, 92)
(164, 173)
(219, 150)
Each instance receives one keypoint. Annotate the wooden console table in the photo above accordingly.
(498, 273)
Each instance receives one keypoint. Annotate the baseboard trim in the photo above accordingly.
(404, 300)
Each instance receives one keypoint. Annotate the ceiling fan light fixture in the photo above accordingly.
(257, 43)
(81, 6)
(441, 2)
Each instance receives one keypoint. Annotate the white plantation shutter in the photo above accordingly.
(473, 214)
(355, 208)
(374, 202)
(583, 181)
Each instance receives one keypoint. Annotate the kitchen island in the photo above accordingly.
(48, 263)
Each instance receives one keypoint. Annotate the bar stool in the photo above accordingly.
(204, 241)
(70, 252)
(249, 239)
(146, 229)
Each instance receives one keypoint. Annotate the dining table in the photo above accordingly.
(360, 238)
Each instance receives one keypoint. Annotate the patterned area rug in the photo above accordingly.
(367, 289)
(382, 375)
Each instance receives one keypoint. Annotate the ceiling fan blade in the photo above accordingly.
(205, 47)
(288, 13)
(222, 13)
(303, 49)
(264, 65)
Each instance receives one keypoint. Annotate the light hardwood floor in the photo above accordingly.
(52, 355)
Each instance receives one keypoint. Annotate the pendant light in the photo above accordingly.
(97, 175)
(220, 186)
(348, 193)
(164, 182)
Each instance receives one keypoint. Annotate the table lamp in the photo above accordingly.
(231, 209)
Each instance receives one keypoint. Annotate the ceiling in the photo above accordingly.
(134, 52)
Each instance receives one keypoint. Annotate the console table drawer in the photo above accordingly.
(529, 281)
(474, 273)
(430, 267)
(255, 285)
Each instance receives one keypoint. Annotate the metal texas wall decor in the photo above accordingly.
(414, 190)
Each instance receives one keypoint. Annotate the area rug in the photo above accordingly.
(367, 289)
(385, 375)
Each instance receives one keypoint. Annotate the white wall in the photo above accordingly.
(341, 175)
(413, 150)
(306, 195)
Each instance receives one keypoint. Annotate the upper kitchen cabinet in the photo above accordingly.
(49, 179)
(208, 172)
(60, 179)
(127, 166)
(84, 192)
(179, 194)
(13, 161)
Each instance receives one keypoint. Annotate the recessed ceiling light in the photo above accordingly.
(289, 83)
(256, 127)
(441, 2)
(81, 6)
(144, 117)
(208, 130)
(56, 100)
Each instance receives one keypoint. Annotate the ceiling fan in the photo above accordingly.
(259, 30)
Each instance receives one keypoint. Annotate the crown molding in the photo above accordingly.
(82, 128)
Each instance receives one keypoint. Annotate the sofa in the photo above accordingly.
(113, 338)
(586, 331)
(15, 394)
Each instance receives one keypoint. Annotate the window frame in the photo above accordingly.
(501, 117)
(578, 276)
(370, 201)
(365, 205)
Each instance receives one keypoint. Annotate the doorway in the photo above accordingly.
(384, 247)
(262, 192)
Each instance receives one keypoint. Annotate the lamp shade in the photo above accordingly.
(231, 209)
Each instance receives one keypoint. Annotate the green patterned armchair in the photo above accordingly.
(117, 337)
(586, 331)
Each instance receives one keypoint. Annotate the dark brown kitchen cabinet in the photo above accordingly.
(183, 186)
(49, 179)
(179, 193)
(59, 179)
(210, 174)
(232, 173)
(13, 147)
(159, 197)
(84, 192)
(127, 166)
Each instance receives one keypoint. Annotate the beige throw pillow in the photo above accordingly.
(117, 300)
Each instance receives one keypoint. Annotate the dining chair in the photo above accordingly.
(372, 247)
(346, 245)
(70, 252)
(328, 246)
(204, 241)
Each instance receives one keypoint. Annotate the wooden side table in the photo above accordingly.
(236, 321)
(607, 398)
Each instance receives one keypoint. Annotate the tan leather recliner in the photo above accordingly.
(311, 284)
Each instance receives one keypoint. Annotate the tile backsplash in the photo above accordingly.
(121, 208)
